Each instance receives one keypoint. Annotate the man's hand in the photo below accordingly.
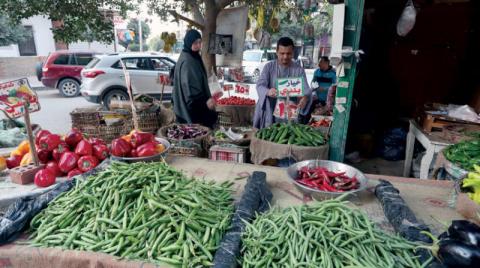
(272, 93)
(303, 102)
(211, 104)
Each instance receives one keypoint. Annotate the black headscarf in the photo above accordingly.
(190, 37)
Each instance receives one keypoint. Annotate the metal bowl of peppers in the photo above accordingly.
(324, 179)
(152, 158)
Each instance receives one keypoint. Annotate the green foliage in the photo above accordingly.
(11, 33)
(134, 47)
(156, 43)
(76, 16)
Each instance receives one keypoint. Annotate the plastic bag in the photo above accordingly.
(464, 112)
(407, 19)
(256, 198)
(393, 145)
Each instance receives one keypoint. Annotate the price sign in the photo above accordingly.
(12, 96)
(227, 87)
(243, 89)
(163, 79)
(290, 86)
(284, 109)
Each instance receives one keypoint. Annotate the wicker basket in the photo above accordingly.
(224, 120)
(106, 133)
(235, 115)
(186, 147)
(86, 116)
(148, 121)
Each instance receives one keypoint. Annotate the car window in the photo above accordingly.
(271, 56)
(159, 64)
(134, 64)
(252, 56)
(92, 63)
(83, 59)
(61, 59)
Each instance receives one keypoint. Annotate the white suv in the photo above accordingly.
(254, 61)
(103, 79)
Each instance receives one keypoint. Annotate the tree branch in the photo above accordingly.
(221, 4)
(197, 15)
(193, 22)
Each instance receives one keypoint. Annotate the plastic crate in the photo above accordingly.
(229, 154)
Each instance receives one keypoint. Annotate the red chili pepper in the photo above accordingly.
(53, 166)
(87, 163)
(120, 147)
(84, 148)
(73, 137)
(61, 148)
(74, 172)
(44, 155)
(147, 149)
(68, 161)
(138, 138)
(39, 135)
(44, 178)
(50, 141)
(100, 151)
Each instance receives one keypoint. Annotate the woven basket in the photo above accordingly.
(148, 121)
(181, 147)
(86, 116)
(106, 133)
(235, 115)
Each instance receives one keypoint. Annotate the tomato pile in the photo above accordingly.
(320, 123)
(234, 100)
(322, 179)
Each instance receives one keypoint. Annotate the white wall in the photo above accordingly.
(9, 51)
(42, 34)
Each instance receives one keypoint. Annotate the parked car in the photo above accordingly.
(62, 70)
(103, 78)
(252, 66)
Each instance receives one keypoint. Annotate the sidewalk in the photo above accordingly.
(32, 80)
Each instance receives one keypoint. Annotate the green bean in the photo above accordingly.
(325, 234)
(144, 211)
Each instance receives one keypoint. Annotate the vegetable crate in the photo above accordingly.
(229, 154)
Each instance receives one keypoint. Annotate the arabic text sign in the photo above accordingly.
(293, 86)
(243, 89)
(163, 79)
(12, 96)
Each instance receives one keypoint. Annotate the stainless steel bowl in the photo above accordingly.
(152, 158)
(332, 166)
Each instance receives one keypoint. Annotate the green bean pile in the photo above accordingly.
(326, 234)
(144, 211)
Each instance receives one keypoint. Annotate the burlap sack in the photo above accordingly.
(262, 150)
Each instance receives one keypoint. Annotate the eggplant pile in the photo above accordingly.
(185, 132)
(459, 246)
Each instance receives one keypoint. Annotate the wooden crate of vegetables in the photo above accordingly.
(238, 110)
(282, 140)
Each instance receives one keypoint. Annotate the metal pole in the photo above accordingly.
(115, 42)
(140, 39)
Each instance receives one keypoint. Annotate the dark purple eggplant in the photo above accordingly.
(465, 231)
(443, 236)
(453, 253)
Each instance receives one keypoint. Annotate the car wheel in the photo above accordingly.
(256, 75)
(69, 87)
(115, 94)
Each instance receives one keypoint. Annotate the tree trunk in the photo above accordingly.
(210, 26)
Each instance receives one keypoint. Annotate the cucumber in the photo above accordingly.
(273, 134)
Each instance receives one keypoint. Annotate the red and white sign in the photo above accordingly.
(243, 89)
(227, 87)
(12, 96)
(163, 79)
(282, 107)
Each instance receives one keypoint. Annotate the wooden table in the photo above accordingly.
(432, 144)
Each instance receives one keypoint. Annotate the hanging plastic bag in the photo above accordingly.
(407, 19)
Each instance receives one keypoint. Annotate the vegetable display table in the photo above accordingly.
(428, 199)
(432, 144)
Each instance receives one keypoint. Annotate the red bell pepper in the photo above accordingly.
(147, 149)
(61, 148)
(68, 161)
(50, 141)
(14, 161)
(74, 172)
(96, 141)
(39, 135)
(53, 166)
(100, 151)
(44, 155)
(44, 178)
(87, 163)
(138, 138)
(120, 148)
(84, 148)
(73, 137)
